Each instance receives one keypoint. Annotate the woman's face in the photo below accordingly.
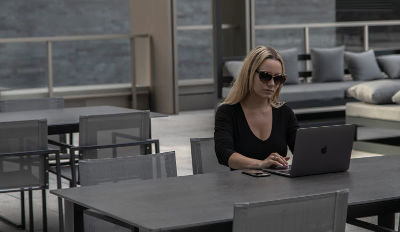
(263, 88)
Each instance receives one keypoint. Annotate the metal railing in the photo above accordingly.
(50, 40)
(307, 26)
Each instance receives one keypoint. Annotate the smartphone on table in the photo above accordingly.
(255, 173)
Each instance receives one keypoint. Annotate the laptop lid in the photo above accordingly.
(320, 150)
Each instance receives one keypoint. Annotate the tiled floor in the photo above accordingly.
(174, 133)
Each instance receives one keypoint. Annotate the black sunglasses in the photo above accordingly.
(266, 76)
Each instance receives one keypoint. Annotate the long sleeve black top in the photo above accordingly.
(233, 134)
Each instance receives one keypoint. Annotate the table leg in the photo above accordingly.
(386, 220)
(78, 218)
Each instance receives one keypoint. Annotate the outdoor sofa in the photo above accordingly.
(332, 77)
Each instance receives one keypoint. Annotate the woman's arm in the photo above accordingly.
(238, 161)
(223, 134)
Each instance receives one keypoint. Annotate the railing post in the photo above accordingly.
(49, 68)
(366, 37)
(307, 45)
(133, 72)
(252, 24)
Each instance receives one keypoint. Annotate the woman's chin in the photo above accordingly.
(266, 96)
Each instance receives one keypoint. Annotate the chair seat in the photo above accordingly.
(65, 171)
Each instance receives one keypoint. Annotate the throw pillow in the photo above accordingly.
(375, 92)
(396, 97)
(363, 65)
(390, 64)
(233, 68)
(327, 64)
(289, 57)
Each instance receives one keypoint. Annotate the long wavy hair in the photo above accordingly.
(243, 85)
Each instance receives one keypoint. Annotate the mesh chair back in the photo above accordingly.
(14, 105)
(204, 159)
(22, 170)
(113, 129)
(96, 171)
(322, 212)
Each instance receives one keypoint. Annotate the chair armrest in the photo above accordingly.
(136, 143)
(368, 226)
(60, 144)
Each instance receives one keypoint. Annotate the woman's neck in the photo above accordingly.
(254, 102)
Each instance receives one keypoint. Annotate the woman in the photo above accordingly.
(252, 128)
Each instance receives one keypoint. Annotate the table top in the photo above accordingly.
(186, 201)
(65, 117)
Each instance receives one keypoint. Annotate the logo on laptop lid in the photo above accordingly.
(324, 149)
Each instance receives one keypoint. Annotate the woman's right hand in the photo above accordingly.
(274, 159)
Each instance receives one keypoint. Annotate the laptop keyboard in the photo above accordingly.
(287, 171)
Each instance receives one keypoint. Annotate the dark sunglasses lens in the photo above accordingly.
(279, 79)
(264, 76)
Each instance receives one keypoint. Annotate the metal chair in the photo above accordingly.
(110, 136)
(141, 167)
(15, 105)
(313, 213)
(23, 163)
(204, 159)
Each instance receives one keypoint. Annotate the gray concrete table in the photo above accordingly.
(206, 201)
(65, 120)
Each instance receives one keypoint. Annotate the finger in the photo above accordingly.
(282, 160)
(277, 158)
(286, 158)
(277, 164)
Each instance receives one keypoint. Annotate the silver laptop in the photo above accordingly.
(320, 150)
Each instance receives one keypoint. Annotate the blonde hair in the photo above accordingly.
(244, 83)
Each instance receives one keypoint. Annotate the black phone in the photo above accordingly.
(255, 173)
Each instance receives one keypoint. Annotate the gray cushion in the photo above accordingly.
(327, 64)
(289, 57)
(363, 65)
(315, 91)
(396, 97)
(375, 92)
(390, 64)
(233, 68)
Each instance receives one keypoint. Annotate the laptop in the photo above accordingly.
(320, 150)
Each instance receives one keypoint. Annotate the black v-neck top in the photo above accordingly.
(232, 133)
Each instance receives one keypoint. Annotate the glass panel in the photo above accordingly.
(194, 46)
(54, 18)
(193, 12)
(288, 12)
(194, 54)
(351, 37)
(91, 62)
(281, 39)
(23, 65)
(386, 37)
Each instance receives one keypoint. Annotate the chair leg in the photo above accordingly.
(30, 210)
(44, 210)
(23, 223)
